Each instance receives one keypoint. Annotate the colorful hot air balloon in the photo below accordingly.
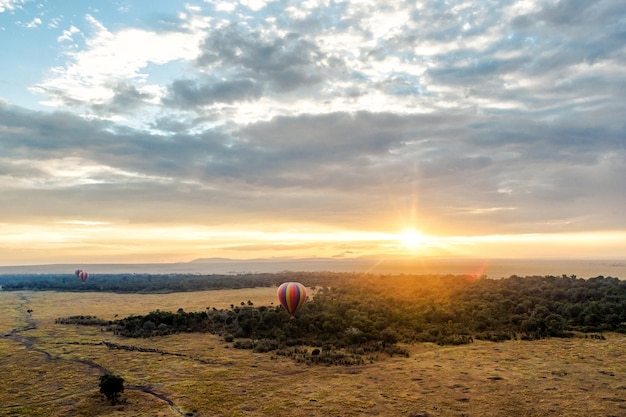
(291, 296)
(77, 273)
(83, 275)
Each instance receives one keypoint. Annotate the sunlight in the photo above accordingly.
(411, 239)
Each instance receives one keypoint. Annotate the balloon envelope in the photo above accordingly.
(83, 275)
(77, 272)
(291, 296)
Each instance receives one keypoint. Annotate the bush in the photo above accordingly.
(112, 387)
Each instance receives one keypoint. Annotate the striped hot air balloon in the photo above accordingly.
(291, 296)
(83, 275)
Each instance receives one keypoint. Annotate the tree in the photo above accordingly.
(388, 337)
(111, 386)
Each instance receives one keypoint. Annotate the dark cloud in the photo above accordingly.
(28, 134)
(172, 124)
(244, 65)
(338, 167)
(568, 12)
(285, 63)
(126, 98)
(554, 47)
(190, 93)
(575, 31)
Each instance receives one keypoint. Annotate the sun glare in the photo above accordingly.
(411, 239)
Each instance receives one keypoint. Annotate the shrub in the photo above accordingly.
(111, 386)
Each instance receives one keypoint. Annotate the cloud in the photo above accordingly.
(111, 59)
(285, 62)
(33, 23)
(189, 94)
(68, 34)
(8, 5)
(254, 4)
(125, 98)
(568, 12)
(403, 57)
(323, 164)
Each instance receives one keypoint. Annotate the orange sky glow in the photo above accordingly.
(97, 242)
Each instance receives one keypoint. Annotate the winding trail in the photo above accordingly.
(17, 335)
(148, 390)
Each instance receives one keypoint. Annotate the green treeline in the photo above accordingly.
(159, 283)
(368, 314)
(83, 320)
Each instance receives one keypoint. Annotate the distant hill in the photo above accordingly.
(493, 268)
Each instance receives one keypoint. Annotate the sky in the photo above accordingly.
(165, 131)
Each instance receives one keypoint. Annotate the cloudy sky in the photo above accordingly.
(134, 131)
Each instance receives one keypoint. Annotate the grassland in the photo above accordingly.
(49, 369)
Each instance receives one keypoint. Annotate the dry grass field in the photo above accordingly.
(48, 369)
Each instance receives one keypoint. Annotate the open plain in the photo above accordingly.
(50, 369)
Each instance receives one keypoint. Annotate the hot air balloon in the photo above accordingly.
(291, 296)
(77, 273)
(83, 275)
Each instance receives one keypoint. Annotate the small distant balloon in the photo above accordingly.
(83, 275)
(291, 296)
(77, 272)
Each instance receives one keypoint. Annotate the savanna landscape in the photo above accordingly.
(51, 368)
(436, 185)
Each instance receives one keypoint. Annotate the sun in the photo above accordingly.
(411, 239)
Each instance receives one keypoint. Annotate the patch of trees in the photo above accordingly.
(363, 315)
(83, 321)
(156, 283)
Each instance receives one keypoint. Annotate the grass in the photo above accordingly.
(52, 370)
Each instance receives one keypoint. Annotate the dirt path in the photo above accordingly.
(150, 391)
